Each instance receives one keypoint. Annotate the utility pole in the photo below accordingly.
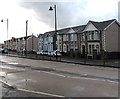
(26, 37)
(55, 36)
(7, 41)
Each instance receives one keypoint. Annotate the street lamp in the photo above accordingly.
(7, 28)
(55, 35)
(26, 37)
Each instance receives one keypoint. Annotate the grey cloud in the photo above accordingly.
(68, 13)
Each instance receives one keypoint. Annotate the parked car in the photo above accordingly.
(4, 51)
(40, 52)
(54, 53)
(45, 53)
(1, 49)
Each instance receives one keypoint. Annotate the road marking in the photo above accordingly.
(70, 76)
(17, 71)
(92, 79)
(38, 92)
(3, 60)
(113, 81)
(53, 74)
(31, 91)
(85, 78)
(13, 63)
(80, 77)
(7, 84)
(2, 73)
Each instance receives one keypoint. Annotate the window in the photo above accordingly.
(92, 34)
(71, 44)
(64, 48)
(60, 47)
(72, 37)
(97, 35)
(97, 48)
(65, 37)
(83, 37)
(90, 50)
(93, 48)
(76, 45)
(75, 37)
(60, 39)
(89, 36)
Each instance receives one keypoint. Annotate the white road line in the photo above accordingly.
(53, 74)
(6, 83)
(31, 91)
(37, 92)
(13, 63)
(3, 60)
(80, 77)
(2, 73)
(113, 81)
(85, 78)
(92, 79)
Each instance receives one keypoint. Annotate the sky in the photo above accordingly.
(41, 20)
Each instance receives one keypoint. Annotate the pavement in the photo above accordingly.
(114, 63)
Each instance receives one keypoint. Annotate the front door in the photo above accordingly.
(83, 49)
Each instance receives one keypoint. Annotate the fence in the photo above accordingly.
(111, 62)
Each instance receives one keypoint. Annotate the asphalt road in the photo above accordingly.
(37, 78)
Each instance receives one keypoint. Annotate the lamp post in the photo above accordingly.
(7, 29)
(32, 43)
(26, 37)
(55, 35)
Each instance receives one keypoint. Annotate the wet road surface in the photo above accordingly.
(33, 81)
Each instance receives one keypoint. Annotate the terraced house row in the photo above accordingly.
(22, 44)
(90, 40)
(93, 40)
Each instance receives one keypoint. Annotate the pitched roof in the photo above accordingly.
(40, 35)
(78, 28)
(75, 28)
(24, 37)
(50, 33)
(63, 31)
(81, 28)
(102, 25)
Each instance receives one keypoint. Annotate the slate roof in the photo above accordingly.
(24, 37)
(51, 33)
(75, 28)
(79, 29)
(102, 25)
(63, 31)
(40, 35)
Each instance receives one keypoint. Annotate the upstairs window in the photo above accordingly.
(91, 35)
(83, 37)
(73, 37)
(97, 35)
(65, 37)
